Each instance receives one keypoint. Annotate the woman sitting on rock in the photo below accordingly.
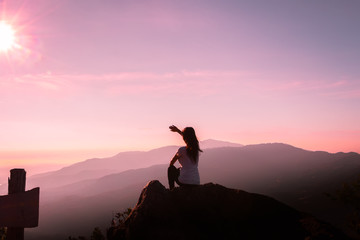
(188, 173)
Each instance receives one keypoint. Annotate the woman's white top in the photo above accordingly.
(189, 173)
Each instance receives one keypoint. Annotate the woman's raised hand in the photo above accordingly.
(173, 128)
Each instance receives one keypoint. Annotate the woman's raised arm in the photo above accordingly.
(173, 128)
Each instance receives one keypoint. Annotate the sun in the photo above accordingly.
(7, 37)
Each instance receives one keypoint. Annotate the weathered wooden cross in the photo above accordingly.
(19, 209)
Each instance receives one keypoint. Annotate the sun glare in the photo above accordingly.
(7, 37)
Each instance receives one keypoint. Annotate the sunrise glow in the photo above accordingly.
(7, 37)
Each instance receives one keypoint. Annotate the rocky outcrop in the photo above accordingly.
(212, 211)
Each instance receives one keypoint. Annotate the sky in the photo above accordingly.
(92, 78)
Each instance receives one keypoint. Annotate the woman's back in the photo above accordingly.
(189, 173)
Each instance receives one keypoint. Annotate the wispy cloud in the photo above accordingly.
(202, 83)
(341, 88)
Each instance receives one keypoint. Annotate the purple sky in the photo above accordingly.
(92, 78)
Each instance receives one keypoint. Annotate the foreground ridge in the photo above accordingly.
(212, 211)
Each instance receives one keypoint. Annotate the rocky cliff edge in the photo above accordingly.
(212, 211)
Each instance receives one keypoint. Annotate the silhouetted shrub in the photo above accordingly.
(79, 238)
(2, 233)
(120, 217)
(97, 234)
(349, 195)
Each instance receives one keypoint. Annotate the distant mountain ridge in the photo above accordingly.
(123, 161)
(211, 143)
(99, 167)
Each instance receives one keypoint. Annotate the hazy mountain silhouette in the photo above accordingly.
(292, 175)
(31, 170)
(211, 143)
(99, 167)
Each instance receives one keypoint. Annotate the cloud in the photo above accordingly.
(128, 83)
(335, 88)
(201, 83)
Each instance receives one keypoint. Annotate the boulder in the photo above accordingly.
(212, 211)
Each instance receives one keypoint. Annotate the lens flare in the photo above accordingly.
(7, 37)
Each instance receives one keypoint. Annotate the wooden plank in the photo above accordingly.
(20, 209)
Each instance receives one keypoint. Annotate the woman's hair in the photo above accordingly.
(192, 143)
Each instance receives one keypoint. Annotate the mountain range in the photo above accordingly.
(98, 167)
(79, 197)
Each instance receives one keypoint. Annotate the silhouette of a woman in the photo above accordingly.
(188, 157)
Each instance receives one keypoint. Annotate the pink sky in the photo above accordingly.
(93, 78)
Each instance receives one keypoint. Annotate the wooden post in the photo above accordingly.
(17, 182)
(19, 209)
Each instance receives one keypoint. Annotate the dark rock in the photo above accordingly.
(212, 211)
